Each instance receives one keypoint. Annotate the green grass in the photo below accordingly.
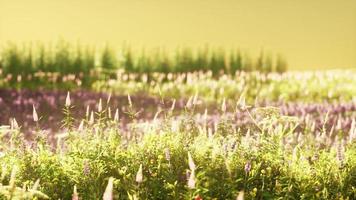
(181, 159)
(90, 63)
(329, 86)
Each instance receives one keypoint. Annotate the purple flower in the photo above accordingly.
(167, 154)
(248, 167)
(86, 168)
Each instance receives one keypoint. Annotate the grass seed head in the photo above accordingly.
(223, 106)
(108, 99)
(191, 180)
(14, 124)
(116, 117)
(36, 185)
(129, 100)
(108, 194)
(68, 102)
(87, 112)
(167, 154)
(195, 99)
(240, 196)
(188, 105)
(109, 112)
(139, 175)
(100, 106)
(81, 126)
(191, 162)
(173, 104)
(34, 114)
(248, 167)
(75, 195)
(91, 120)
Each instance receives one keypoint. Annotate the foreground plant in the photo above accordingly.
(174, 159)
(11, 191)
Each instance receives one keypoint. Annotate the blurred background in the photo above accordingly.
(310, 34)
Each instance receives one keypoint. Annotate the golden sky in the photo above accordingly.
(309, 33)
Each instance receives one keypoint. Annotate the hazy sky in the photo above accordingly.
(310, 33)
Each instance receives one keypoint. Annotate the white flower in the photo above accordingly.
(139, 175)
(191, 180)
(91, 120)
(34, 114)
(116, 117)
(223, 106)
(129, 100)
(68, 100)
(108, 195)
(240, 196)
(100, 106)
(81, 126)
(191, 162)
(14, 124)
(173, 104)
(75, 195)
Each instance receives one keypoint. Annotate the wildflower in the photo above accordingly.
(240, 196)
(248, 167)
(195, 99)
(109, 98)
(14, 124)
(108, 194)
(34, 114)
(191, 180)
(188, 105)
(91, 120)
(86, 168)
(116, 117)
(206, 115)
(173, 104)
(68, 100)
(81, 126)
(198, 198)
(156, 116)
(191, 162)
(242, 103)
(75, 195)
(340, 152)
(167, 154)
(223, 106)
(129, 100)
(87, 112)
(100, 106)
(295, 154)
(139, 175)
(210, 133)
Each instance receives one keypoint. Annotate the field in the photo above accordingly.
(198, 126)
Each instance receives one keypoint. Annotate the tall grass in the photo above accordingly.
(319, 86)
(89, 63)
(181, 159)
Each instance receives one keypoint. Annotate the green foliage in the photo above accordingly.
(160, 161)
(32, 65)
(286, 87)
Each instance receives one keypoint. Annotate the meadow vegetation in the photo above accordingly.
(60, 62)
(198, 125)
(180, 158)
